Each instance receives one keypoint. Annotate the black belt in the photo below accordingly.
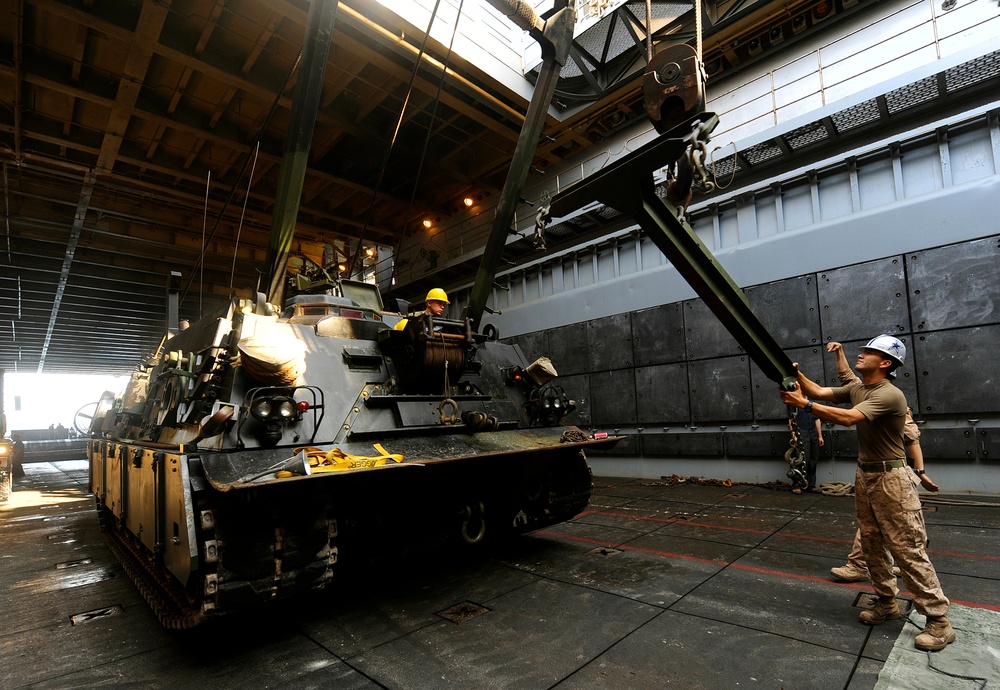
(883, 466)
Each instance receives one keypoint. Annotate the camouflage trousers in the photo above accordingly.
(892, 526)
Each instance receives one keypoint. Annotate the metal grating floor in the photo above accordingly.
(655, 585)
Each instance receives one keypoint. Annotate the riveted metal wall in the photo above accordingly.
(653, 371)
(756, 444)
(958, 372)
(766, 404)
(955, 286)
(720, 390)
(661, 394)
(683, 444)
(612, 398)
(988, 444)
(609, 343)
(568, 349)
(658, 335)
(704, 334)
(950, 444)
(864, 300)
(788, 309)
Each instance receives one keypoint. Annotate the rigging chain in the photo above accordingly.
(796, 454)
(542, 219)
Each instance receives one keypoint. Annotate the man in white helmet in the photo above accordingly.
(856, 568)
(888, 507)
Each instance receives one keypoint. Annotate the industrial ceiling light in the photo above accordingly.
(468, 201)
(370, 251)
(341, 267)
(428, 223)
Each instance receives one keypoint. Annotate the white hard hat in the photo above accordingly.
(889, 345)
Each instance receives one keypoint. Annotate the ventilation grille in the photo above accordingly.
(912, 94)
(972, 72)
(761, 152)
(856, 116)
(724, 169)
(804, 136)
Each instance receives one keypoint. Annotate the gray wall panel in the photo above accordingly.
(704, 334)
(683, 444)
(864, 300)
(612, 398)
(658, 334)
(955, 286)
(756, 444)
(958, 371)
(988, 444)
(948, 444)
(720, 390)
(767, 404)
(788, 309)
(568, 346)
(844, 442)
(609, 342)
(534, 345)
(661, 394)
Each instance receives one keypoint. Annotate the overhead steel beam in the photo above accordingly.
(555, 38)
(305, 105)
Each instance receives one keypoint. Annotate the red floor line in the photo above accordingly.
(747, 530)
(750, 568)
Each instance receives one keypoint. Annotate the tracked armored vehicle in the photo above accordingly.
(262, 449)
(256, 451)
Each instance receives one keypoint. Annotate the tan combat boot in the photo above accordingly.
(937, 634)
(886, 609)
(849, 573)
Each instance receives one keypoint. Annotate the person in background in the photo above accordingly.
(436, 301)
(856, 568)
(811, 434)
(17, 456)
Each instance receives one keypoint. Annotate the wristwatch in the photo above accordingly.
(919, 472)
(809, 407)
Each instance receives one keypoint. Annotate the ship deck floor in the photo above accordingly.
(654, 586)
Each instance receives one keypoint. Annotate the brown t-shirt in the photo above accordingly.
(880, 435)
(911, 432)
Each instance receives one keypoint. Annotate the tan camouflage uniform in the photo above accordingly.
(911, 435)
(887, 503)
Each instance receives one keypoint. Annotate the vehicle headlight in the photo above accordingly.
(261, 409)
(286, 408)
(278, 408)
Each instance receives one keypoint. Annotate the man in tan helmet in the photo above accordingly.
(886, 500)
